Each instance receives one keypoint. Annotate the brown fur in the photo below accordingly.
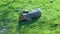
(22, 18)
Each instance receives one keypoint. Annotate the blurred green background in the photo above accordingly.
(9, 14)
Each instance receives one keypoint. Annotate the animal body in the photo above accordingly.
(29, 15)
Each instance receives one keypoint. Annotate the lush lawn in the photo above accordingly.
(9, 14)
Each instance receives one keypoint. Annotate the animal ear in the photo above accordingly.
(37, 9)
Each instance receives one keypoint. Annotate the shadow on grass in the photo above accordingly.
(20, 24)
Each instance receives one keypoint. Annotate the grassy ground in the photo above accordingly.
(9, 14)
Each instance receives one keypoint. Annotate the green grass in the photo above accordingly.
(9, 14)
